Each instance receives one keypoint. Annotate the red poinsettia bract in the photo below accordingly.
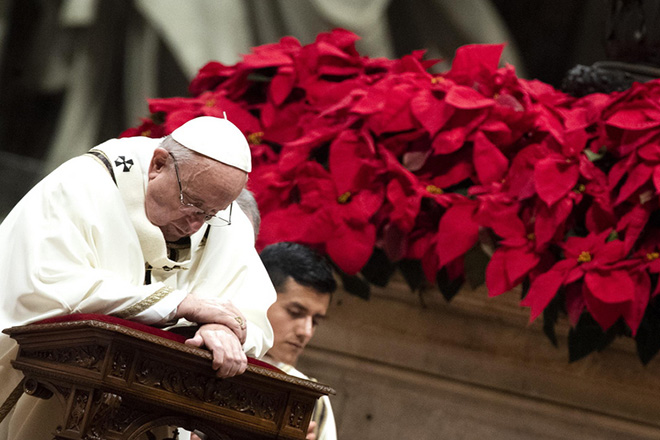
(353, 153)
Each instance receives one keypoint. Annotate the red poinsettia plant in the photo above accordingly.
(381, 164)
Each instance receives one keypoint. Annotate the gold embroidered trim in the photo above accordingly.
(99, 155)
(11, 400)
(102, 158)
(143, 305)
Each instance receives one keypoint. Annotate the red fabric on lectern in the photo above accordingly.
(135, 326)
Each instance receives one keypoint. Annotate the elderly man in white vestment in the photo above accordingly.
(131, 229)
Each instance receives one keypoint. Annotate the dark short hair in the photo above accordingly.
(302, 263)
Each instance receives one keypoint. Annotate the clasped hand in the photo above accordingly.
(223, 331)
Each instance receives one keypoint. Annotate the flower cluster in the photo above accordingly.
(354, 154)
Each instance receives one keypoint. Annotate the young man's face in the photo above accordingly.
(294, 317)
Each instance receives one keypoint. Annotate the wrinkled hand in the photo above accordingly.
(228, 356)
(213, 311)
(311, 431)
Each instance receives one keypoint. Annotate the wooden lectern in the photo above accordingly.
(119, 381)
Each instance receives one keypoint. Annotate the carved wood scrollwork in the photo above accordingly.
(118, 383)
(123, 417)
(120, 363)
(86, 356)
(34, 388)
(297, 414)
(77, 414)
(102, 413)
(226, 394)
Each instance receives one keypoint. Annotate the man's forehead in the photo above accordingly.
(210, 181)
(306, 297)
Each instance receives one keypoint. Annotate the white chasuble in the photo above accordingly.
(80, 243)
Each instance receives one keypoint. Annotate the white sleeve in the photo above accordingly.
(229, 267)
(70, 248)
(327, 430)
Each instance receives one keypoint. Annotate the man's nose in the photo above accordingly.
(306, 328)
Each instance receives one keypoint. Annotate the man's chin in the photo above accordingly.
(284, 356)
(291, 358)
(173, 234)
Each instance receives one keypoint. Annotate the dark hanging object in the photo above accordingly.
(632, 47)
(584, 80)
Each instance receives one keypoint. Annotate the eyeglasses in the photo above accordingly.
(209, 219)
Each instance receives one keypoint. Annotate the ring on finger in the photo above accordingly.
(241, 322)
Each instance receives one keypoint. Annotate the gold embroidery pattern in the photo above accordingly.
(143, 305)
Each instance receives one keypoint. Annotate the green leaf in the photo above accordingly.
(524, 288)
(256, 77)
(550, 316)
(355, 285)
(614, 235)
(462, 191)
(158, 118)
(648, 333)
(379, 268)
(448, 287)
(593, 157)
(587, 337)
(412, 273)
(475, 263)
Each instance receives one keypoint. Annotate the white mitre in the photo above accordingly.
(216, 138)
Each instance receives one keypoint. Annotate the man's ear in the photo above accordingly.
(158, 162)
